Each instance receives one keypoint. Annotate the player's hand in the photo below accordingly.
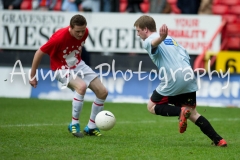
(33, 82)
(163, 31)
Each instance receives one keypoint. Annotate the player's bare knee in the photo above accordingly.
(81, 89)
(101, 93)
(104, 93)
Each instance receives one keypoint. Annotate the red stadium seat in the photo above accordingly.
(226, 2)
(230, 18)
(145, 6)
(238, 19)
(58, 6)
(220, 9)
(123, 5)
(216, 2)
(235, 10)
(233, 43)
(26, 5)
(172, 1)
(175, 9)
(233, 29)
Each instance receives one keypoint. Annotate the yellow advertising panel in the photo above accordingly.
(228, 60)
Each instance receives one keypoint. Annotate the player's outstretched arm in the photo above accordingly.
(163, 32)
(36, 61)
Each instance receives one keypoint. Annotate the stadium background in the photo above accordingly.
(221, 46)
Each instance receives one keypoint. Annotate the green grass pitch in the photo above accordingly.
(32, 129)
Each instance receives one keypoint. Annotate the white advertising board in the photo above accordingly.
(14, 84)
(108, 32)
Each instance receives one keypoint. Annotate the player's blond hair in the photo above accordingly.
(146, 21)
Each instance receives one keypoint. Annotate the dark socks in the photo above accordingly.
(207, 129)
(201, 122)
(167, 110)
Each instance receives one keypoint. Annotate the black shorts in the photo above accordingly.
(188, 99)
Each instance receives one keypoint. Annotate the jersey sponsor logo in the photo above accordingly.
(170, 42)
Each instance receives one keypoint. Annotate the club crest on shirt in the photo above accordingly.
(70, 54)
(170, 42)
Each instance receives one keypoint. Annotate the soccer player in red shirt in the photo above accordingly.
(64, 49)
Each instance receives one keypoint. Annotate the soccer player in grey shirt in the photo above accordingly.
(176, 92)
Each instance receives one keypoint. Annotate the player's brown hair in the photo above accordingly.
(146, 22)
(77, 20)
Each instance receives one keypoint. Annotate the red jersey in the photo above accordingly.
(64, 50)
(44, 3)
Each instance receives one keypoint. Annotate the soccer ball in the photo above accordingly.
(105, 120)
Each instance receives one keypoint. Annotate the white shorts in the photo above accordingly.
(82, 70)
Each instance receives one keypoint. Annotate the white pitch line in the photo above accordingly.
(118, 122)
(31, 125)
